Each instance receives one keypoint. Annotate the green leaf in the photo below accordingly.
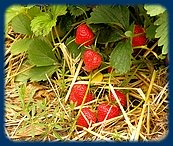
(58, 10)
(118, 15)
(39, 73)
(21, 24)
(77, 10)
(151, 31)
(22, 94)
(35, 73)
(24, 72)
(66, 23)
(73, 47)
(162, 32)
(40, 53)
(34, 11)
(154, 10)
(120, 58)
(12, 11)
(22, 77)
(58, 127)
(57, 135)
(20, 46)
(112, 35)
(42, 24)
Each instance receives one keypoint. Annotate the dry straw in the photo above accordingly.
(42, 112)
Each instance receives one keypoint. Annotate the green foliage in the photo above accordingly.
(42, 24)
(39, 73)
(21, 24)
(73, 48)
(112, 25)
(40, 53)
(118, 15)
(23, 75)
(154, 10)
(151, 31)
(66, 23)
(21, 46)
(160, 25)
(11, 12)
(77, 10)
(112, 35)
(58, 10)
(120, 58)
(41, 59)
(34, 11)
(34, 73)
(162, 32)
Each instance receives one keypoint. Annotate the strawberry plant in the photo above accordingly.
(42, 26)
(65, 63)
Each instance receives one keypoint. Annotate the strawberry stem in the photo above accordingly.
(56, 31)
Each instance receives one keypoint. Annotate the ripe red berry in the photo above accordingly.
(84, 35)
(138, 40)
(78, 92)
(89, 115)
(103, 110)
(120, 96)
(92, 60)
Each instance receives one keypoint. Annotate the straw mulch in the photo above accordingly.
(40, 111)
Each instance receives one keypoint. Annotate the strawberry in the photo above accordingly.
(109, 69)
(84, 35)
(92, 60)
(103, 110)
(89, 115)
(78, 92)
(140, 38)
(120, 96)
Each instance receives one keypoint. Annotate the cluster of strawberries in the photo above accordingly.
(92, 60)
(105, 110)
(85, 36)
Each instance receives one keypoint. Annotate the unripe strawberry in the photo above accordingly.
(78, 92)
(140, 38)
(89, 115)
(84, 35)
(120, 96)
(92, 60)
(106, 110)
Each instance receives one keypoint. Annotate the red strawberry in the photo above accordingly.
(109, 69)
(103, 110)
(84, 35)
(92, 60)
(121, 97)
(78, 92)
(140, 39)
(89, 115)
